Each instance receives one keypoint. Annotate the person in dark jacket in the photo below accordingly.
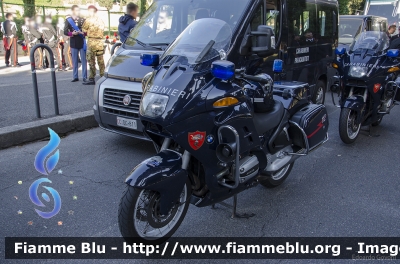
(34, 38)
(76, 43)
(51, 40)
(9, 30)
(128, 21)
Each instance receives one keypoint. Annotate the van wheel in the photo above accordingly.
(319, 93)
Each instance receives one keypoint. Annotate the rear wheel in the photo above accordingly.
(349, 129)
(319, 93)
(274, 179)
(139, 217)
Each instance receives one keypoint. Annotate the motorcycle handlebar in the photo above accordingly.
(240, 74)
(255, 79)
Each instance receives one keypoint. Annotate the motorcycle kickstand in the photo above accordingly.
(235, 214)
(369, 131)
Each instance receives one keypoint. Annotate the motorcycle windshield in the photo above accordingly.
(372, 42)
(203, 40)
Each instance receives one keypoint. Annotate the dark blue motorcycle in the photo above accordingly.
(219, 129)
(367, 88)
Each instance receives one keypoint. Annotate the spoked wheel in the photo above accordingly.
(349, 129)
(276, 178)
(139, 216)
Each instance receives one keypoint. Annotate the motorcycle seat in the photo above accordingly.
(267, 121)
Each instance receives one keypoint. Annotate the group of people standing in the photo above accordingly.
(76, 29)
(73, 40)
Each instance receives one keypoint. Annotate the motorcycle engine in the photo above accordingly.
(249, 168)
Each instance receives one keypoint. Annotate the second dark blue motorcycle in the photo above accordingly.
(367, 88)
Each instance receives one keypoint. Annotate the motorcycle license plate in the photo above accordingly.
(127, 123)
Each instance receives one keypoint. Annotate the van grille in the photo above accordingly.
(120, 113)
(115, 97)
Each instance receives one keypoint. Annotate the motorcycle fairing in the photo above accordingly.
(162, 173)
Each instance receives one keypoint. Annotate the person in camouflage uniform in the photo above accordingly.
(94, 29)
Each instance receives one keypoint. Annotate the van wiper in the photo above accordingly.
(145, 45)
(205, 51)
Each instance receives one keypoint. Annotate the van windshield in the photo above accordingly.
(350, 27)
(166, 19)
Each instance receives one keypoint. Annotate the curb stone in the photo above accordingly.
(37, 130)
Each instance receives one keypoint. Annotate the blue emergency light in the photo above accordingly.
(278, 66)
(340, 51)
(393, 53)
(224, 70)
(150, 60)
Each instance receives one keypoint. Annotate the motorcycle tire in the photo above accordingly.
(319, 93)
(276, 178)
(129, 213)
(345, 115)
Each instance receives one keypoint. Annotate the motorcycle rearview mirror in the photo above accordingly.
(150, 59)
(392, 53)
(224, 70)
(340, 51)
(265, 41)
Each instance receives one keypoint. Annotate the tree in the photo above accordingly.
(29, 8)
(108, 4)
(343, 7)
(142, 7)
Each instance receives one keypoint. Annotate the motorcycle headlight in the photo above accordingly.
(358, 71)
(153, 105)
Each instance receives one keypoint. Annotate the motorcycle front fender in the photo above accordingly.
(162, 173)
(355, 103)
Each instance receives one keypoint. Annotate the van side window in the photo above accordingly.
(272, 16)
(302, 24)
(325, 22)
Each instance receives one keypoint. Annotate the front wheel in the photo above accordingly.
(319, 94)
(349, 129)
(274, 179)
(139, 217)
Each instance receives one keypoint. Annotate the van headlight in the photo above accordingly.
(153, 105)
(358, 71)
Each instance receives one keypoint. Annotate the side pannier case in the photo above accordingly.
(313, 119)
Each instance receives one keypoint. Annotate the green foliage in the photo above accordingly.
(350, 7)
(108, 4)
(344, 7)
(29, 8)
(142, 6)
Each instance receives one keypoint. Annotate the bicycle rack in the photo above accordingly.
(34, 78)
(114, 47)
